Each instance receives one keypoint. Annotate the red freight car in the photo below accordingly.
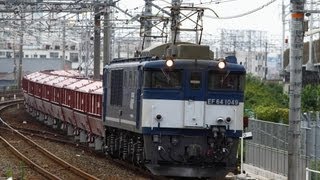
(63, 98)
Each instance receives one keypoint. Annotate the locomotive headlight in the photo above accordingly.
(169, 63)
(221, 64)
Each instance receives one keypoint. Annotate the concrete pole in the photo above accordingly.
(20, 52)
(309, 65)
(63, 43)
(86, 51)
(119, 49)
(265, 62)
(107, 36)
(97, 43)
(283, 35)
(296, 56)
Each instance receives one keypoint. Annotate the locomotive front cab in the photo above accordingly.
(190, 95)
(191, 113)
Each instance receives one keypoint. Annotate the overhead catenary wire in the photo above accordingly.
(214, 2)
(243, 14)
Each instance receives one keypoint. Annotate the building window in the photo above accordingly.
(54, 55)
(74, 57)
(17, 54)
(8, 54)
(43, 56)
(116, 87)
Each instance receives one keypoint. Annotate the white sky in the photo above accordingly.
(266, 19)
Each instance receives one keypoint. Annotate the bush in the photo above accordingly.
(272, 113)
(266, 100)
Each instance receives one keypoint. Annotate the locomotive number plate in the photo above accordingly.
(223, 102)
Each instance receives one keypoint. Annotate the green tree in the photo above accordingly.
(266, 100)
(310, 98)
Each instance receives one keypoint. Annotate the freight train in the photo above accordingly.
(173, 110)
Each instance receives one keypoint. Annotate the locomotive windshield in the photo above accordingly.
(225, 81)
(163, 79)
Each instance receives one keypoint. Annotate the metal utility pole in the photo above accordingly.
(296, 56)
(107, 35)
(309, 65)
(85, 52)
(175, 26)
(265, 62)
(147, 23)
(96, 57)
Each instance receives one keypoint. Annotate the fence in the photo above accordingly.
(308, 171)
(268, 148)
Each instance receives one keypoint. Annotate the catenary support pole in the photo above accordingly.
(147, 23)
(107, 35)
(97, 43)
(296, 56)
(20, 52)
(64, 43)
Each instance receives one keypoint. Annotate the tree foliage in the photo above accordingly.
(310, 100)
(266, 100)
(273, 114)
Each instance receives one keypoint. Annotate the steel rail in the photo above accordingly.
(48, 154)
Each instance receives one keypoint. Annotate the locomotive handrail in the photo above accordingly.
(136, 59)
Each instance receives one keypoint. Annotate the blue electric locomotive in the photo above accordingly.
(174, 110)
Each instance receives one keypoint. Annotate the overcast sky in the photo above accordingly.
(267, 18)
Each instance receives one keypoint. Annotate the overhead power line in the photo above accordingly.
(244, 14)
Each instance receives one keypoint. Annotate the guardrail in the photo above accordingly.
(310, 170)
(10, 94)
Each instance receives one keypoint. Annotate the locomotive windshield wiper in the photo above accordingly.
(166, 75)
(225, 77)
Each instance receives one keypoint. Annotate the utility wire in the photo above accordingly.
(214, 2)
(244, 14)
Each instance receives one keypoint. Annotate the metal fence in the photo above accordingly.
(268, 148)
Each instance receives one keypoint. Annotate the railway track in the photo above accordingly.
(33, 131)
(36, 157)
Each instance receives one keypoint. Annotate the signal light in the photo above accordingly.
(169, 63)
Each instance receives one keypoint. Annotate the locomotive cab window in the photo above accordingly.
(225, 81)
(116, 87)
(162, 79)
